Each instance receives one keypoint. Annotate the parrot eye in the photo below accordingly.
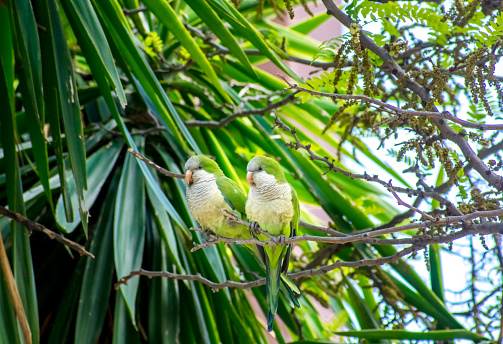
(260, 168)
(200, 167)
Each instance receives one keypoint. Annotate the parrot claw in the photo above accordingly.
(281, 239)
(254, 228)
(207, 232)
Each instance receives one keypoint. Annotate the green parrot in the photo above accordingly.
(208, 191)
(273, 204)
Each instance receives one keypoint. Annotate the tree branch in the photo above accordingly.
(34, 226)
(225, 121)
(214, 286)
(331, 166)
(247, 285)
(482, 154)
(486, 228)
(128, 12)
(325, 230)
(443, 115)
(398, 218)
(400, 202)
(400, 113)
(447, 133)
(155, 166)
(370, 237)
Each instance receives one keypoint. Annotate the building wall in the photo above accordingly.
(329, 29)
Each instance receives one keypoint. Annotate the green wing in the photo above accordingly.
(233, 195)
(294, 226)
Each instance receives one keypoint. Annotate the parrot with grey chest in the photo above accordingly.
(208, 191)
(273, 204)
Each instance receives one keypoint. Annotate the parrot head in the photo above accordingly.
(264, 171)
(200, 168)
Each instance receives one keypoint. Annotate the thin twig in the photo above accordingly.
(332, 167)
(34, 226)
(325, 230)
(444, 115)
(134, 10)
(400, 202)
(215, 286)
(400, 113)
(396, 219)
(236, 219)
(225, 121)
(155, 166)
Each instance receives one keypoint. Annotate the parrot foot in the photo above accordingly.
(281, 239)
(208, 232)
(254, 228)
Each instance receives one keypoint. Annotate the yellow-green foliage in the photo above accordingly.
(322, 83)
(491, 33)
(329, 48)
(394, 11)
(403, 11)
(461, 19)
(153, 44)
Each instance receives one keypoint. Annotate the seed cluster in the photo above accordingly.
(478, 202)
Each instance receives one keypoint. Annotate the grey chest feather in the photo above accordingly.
(205, 203)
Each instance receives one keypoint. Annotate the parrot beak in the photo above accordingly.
(249, 178)
(188, 177)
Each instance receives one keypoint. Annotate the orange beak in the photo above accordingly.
(188, 177)
(249, 178)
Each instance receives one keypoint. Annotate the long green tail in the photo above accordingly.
(273, 282)
(287, 288)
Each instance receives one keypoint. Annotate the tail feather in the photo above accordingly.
(259, 256)
(270, 321)
(288, 281)
(288, 294)
(276, 282)
(286, 261)
(273, 282)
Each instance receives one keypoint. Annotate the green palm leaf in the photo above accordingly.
(129, 228)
